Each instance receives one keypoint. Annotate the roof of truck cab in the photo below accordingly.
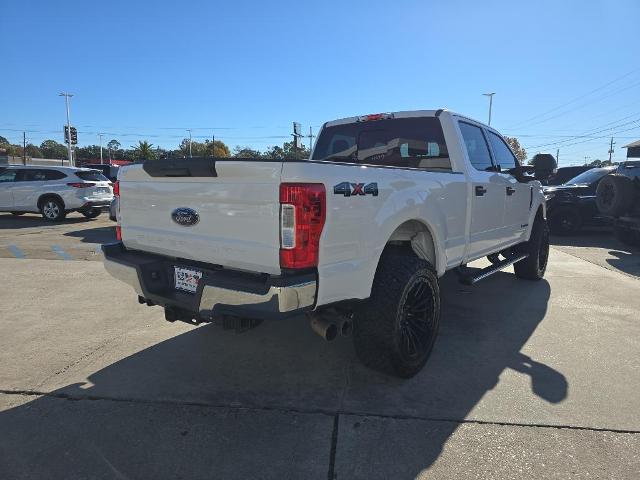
(402, 114)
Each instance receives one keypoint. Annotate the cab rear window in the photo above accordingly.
(398, 142)
(92, 176)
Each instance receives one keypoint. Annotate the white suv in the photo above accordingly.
(53, 191)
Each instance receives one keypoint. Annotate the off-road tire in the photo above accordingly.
(91, 213)
(534, 266)
(52, 210)
(565, 221)
(614, 195)
(401, 316)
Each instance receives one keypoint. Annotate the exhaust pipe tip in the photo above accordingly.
(346, 328)
(326, 329)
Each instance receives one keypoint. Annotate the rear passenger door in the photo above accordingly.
(486, 231)
(517, 195)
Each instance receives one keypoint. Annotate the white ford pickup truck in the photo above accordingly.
(356, 236)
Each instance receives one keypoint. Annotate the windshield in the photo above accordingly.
(590, 176)
(401, 142)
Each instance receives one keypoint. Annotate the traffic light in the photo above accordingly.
(74, 135)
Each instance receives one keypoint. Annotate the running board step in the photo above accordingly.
(491, 269)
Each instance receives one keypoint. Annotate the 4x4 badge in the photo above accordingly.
(349, 189)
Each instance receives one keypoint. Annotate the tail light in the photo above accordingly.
(116, 193)
(302, 216)
(81, 184)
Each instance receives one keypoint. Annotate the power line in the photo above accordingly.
(591, 132)
(583, 105)
(577, 98)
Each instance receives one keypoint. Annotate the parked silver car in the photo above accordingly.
(53, 191)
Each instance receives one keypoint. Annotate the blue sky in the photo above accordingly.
(244, 70)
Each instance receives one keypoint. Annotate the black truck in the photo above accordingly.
(618, 197)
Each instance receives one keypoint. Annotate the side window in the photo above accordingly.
(38, 175)
(31, 175)
(53, 175)
(476, 146)
(504, 157)
(8, 176)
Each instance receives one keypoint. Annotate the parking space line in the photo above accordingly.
(15, 250)
(60, 252)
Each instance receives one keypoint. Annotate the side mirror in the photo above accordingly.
(544, 165)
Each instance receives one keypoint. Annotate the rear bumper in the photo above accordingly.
(221, 291)
(102, 204)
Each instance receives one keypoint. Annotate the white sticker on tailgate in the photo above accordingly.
(187, 279)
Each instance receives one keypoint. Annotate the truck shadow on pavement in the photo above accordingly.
(35, 220)
(95, 235)
(146, 404)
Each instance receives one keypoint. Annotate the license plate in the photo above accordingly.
(101, 191)
(187, 279)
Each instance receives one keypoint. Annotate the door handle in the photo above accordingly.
(510, 191)
(480, 190)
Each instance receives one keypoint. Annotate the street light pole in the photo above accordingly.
(101, 135)
(490, 95)
(189, 130)
(67, 96)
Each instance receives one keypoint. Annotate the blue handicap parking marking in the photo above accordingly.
(61, 253)
(15, 250)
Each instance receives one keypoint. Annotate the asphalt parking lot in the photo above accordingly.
(527, 380)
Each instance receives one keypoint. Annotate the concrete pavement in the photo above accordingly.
(527, 380)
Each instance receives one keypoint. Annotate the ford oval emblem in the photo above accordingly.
(186, 217)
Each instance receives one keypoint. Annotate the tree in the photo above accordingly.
(90, 152)
(219, 149)
(3, 141)
(521, 153)
(33, 151)
(143, 151)
(287, 151)
(53, 149)
(246, 152)
(600, 163)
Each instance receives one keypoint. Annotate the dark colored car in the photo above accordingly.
(564, 174)
(573, 205)
(108, 170)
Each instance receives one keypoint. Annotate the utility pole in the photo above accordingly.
(310, 138)
(24, 148)
(213, 145)
(611, 144)
(296, 138)
(67, 96)
(101, 135)
(490, 95)
(558, 156)
(585, 159)
(189, 130)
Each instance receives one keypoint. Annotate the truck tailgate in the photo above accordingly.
(237, 206)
